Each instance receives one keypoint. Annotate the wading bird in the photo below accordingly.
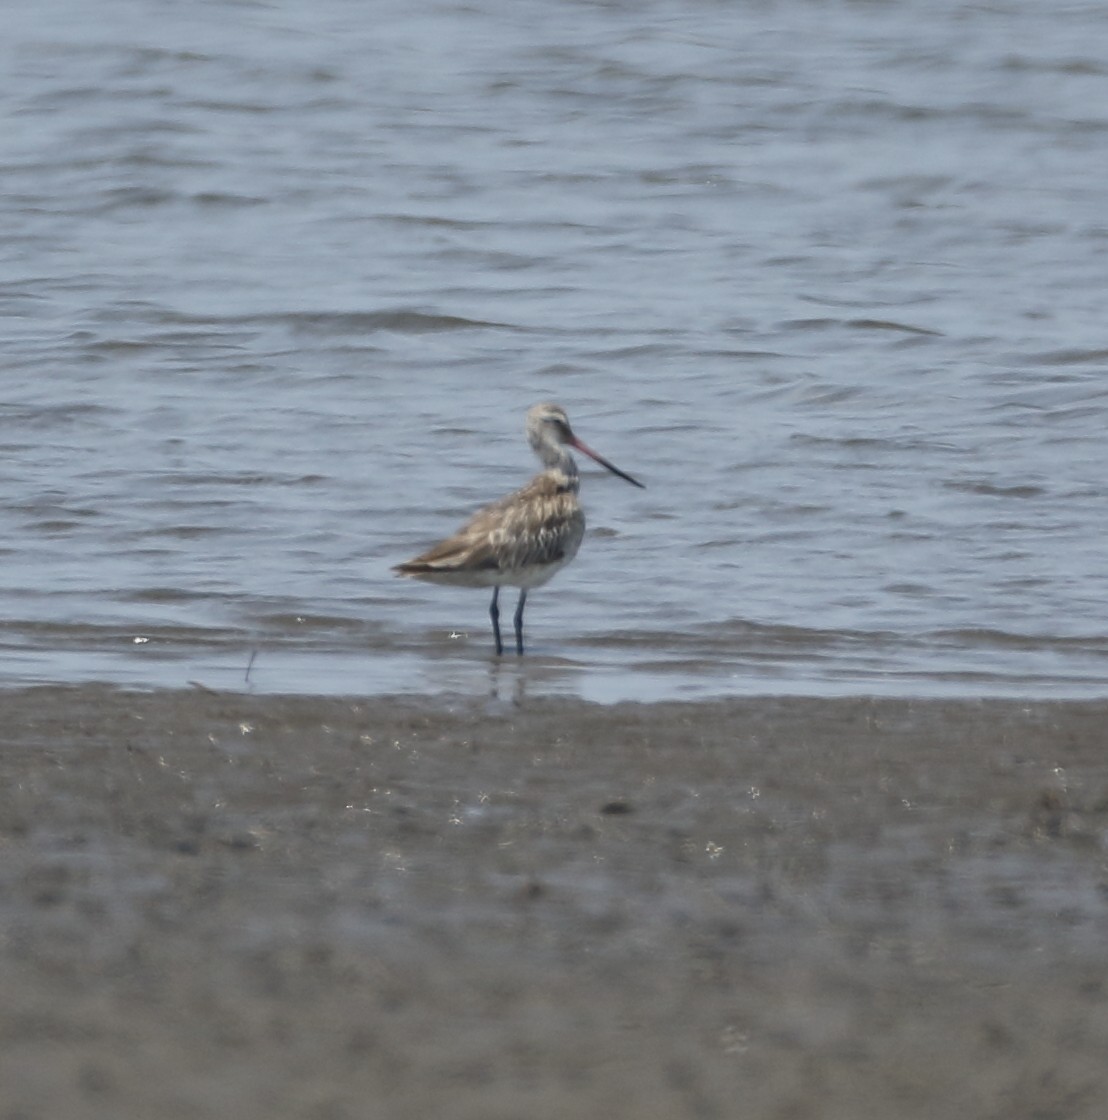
(523, 539)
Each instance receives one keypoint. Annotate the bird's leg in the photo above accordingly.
(519, 621)
(494, 614)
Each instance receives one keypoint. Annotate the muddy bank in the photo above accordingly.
(220, 905)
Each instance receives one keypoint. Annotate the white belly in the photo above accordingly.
(534, 576)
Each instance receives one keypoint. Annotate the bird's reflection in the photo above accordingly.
(508, 681)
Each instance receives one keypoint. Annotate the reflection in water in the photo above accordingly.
(507, 684)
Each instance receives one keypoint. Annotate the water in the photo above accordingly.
(278, 281)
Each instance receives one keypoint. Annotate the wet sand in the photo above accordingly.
(223, 905)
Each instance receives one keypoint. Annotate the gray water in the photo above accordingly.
(278, 280)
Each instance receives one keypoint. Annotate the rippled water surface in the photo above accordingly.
(277, 282)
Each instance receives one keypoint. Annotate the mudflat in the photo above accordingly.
(220, 905)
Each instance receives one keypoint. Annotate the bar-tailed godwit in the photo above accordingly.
(523, 539)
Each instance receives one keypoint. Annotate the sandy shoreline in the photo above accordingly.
(217, 904)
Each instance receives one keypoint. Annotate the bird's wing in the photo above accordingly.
(536, 525)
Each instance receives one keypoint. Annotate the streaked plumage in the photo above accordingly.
(523, 539)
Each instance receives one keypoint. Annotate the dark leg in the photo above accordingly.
(494, 614)
(519, 621)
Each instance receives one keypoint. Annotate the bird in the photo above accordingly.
(521, 540)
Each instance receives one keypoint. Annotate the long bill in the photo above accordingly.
(586, 450)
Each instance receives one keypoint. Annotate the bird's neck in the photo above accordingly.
(556, 457)
(560, 466)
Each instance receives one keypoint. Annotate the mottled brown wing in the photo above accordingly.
(539, 524)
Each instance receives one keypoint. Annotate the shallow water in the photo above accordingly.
(278, 283)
